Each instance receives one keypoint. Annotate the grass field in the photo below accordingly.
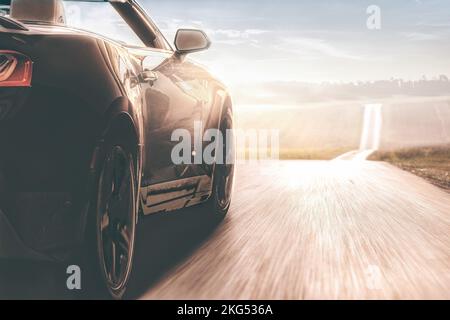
(415, 122)
(430, 163)
(308, 131)
(297, 153)
(326, 130)
(313, 154)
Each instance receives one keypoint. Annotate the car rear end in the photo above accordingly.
(46, 140)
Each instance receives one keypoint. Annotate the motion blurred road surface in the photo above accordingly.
(322, 230)
(296, 230)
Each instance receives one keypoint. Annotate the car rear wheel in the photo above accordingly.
(113, 223)
(116, 220)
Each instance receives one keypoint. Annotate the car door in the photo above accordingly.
(172, 103)
(176, 98)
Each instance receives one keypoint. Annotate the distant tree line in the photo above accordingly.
(295, 92)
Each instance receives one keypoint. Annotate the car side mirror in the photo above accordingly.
(191, 40)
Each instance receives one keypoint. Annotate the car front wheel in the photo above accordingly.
(223, 177)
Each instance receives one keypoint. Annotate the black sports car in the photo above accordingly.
(88, 113)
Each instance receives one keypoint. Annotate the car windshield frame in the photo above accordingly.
(130, 12)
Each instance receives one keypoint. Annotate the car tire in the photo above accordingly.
(111, 228)
(223, 175)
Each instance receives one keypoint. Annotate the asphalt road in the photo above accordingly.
(322, 230)
(296, 230)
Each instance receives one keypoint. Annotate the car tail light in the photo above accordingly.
(15, 69)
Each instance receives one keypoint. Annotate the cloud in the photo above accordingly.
(231, 42)
(440, 25)
(234, 37)
(231, 37)
(242, 34)
(419, 36)
(315, 45)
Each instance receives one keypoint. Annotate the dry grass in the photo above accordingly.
(299, 153)
(307, 131)
(313, 154)
(431, 163)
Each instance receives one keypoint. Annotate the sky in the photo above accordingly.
(305, 41)
(314, 41)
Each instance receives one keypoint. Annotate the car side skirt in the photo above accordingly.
(174, 195)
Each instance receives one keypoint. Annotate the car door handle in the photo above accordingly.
(148, 76)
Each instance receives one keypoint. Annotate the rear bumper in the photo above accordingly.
(12, 247)
(46, 143)
(40, 225)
